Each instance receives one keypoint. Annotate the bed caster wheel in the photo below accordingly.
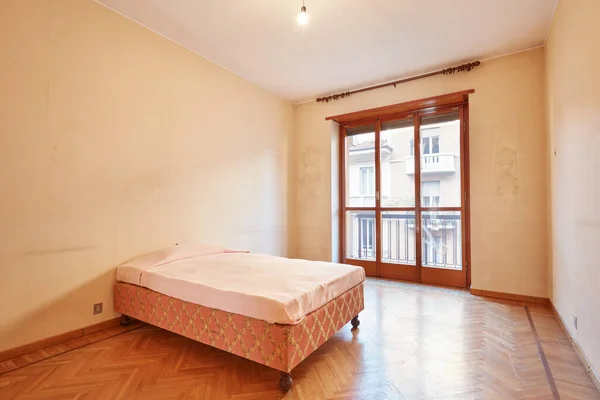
(355, 322)
(285, 382)
(126, 320)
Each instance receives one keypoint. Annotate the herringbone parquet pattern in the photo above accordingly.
(413, 343)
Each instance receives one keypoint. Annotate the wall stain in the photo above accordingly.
(506, 159)
(311, 174)
(507, 179)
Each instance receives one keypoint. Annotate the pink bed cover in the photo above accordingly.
(274, 289)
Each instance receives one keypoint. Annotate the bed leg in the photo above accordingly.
(355, 322)
(285, 382)
(126, 320)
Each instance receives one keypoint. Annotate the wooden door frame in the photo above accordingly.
(418, 222)
(417, 108)
(467, 183)
(447, 274)
(342, 194)
(378, 241)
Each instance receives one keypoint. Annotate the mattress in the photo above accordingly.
(273, 289)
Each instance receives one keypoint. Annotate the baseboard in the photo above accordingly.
(584, 360)
(510, 296)
(63, 337)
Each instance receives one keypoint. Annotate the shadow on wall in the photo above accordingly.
(63, 312)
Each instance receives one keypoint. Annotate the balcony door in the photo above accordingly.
(404, 196)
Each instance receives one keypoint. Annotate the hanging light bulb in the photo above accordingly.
(303, 16)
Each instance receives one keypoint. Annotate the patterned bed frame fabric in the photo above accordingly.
(281, 347)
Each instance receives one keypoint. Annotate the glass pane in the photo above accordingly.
(398, 237)
(435, 144)
(360, 166)
(442, 239)
(440, 160)
(397, 163)
(360, 235)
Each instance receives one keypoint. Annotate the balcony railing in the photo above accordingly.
(432, 163)
(441, 239)
(364, 201)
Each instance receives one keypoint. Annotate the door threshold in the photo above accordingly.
(432, 285)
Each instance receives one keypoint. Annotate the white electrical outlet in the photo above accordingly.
(575, 321)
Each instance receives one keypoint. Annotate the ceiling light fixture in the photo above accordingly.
(303, 16)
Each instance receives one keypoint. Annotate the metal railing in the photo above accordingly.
(361, 201)
(365, 201)
(441, 239)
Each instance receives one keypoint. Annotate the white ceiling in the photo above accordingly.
(348, 43)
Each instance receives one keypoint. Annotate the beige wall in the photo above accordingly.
(113, 142)
(573, 67)
(508, 181)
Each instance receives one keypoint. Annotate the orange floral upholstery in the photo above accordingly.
(277, 346)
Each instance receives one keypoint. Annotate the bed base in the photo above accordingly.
(277, 346)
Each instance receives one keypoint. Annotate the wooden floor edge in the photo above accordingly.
(510, 296)
(578, 350)
(60, 338)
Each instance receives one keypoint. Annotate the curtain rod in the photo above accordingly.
(446, 71)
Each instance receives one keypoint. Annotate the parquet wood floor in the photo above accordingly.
(414, 342)
(69, 345)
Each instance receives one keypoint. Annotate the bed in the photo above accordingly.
(272, 310)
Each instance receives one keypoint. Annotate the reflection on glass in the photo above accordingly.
(360, 166)
(441, 239)
(398, 163)
(360, 235)
(440, 160)
(398, 237)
